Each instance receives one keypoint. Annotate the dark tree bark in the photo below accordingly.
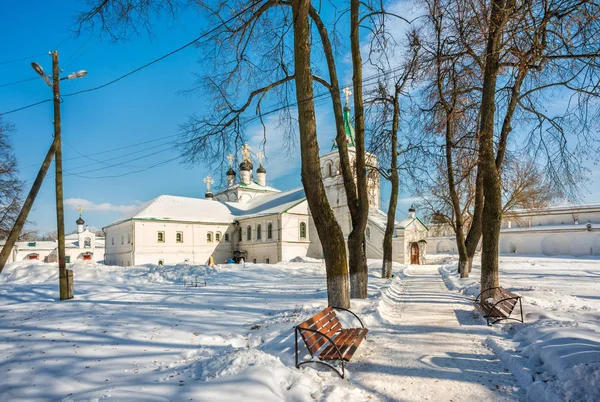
(359, 275)
(328, 229)
(386, 270)
(492, 190)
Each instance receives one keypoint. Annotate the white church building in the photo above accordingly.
(252, 221)
(81, 246)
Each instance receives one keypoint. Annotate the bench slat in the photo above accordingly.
(315, 342)
(347, 341)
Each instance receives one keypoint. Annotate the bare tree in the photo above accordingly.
(256, 50)
(11, 188)
(385, 109)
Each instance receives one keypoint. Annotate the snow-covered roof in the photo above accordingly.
(550, 228)
(252, 186)
(36, 245)
(379, 218)
(404, 223)
(186, 209)
(555, 209)
(268, 204)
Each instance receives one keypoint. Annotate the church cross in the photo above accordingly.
(260, 157)
(230, 157)
(208, 182)
(80, 209)
(347, 92)
(246, 152)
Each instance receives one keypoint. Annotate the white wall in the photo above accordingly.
(146, 249)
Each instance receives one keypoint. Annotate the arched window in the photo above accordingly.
(122, 239)
(249, 233)
(258, 232)
(269, 231)
(161, 237)
(328, 169)
(218, 237)
(240, 234)
(112, 241)
(226, 236)
(209, 237)
(160, 262)
(303, 230)
(128, 238)
(267, 261)
(179, 237)
(87, 242)
(368, 232)
(254, 260)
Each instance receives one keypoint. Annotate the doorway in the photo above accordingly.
(414, 253)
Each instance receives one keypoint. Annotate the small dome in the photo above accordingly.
(80, 221)
(261, 169)
(246, 165)
(411, 209)
(231, 172)
(208, 195)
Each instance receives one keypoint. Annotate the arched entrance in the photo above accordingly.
(414, 253)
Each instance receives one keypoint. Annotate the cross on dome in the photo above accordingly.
(246, 152)
(347, 92)
(231, 158)
(208, 181)
(260, 157)
(80, 209)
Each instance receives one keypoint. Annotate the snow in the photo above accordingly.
(268, 204)
(186, 209)
(555, 354)
(137, 333)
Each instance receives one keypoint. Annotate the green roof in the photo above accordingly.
(348, 128)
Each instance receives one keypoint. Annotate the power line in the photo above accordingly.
(127, 173)
(112, 150)
(18, 82)
(25, 107)
(145, 65)
(35, 55)
(22, 59)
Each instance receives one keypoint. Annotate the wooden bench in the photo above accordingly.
(498, 304)
(326, 340)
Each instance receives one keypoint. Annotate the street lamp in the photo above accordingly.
(65, 276)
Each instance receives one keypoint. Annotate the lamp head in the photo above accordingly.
(78, 74)
(38, 69)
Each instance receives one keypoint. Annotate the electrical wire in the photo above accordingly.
(18, 82)
(25, 107)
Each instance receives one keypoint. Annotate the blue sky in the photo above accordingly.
(143, 107)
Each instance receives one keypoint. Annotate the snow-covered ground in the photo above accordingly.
(555, 354)
(138, 334)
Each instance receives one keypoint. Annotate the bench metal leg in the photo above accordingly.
(331, 366)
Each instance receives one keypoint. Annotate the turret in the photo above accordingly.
(411, 212)
(261, 175)
(230, 177)
(246, 171)
(80, 222)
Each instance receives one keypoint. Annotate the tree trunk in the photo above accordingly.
(386, 270)
(359, 274)
(492, 208)
(474, 234)
(329, 231)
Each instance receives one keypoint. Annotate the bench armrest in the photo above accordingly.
(487, 290)
(298, 328)
(345, 309)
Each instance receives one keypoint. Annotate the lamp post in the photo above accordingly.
(65, 276)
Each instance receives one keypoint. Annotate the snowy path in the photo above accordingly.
(429, 346)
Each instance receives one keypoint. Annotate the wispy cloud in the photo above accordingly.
(103, 207)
